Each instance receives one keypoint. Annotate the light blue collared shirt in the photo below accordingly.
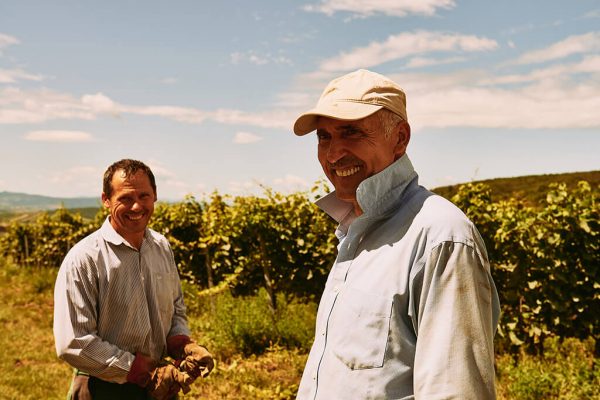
(409, 310)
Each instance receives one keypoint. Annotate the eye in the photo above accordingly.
(353, 133)
(124, 199)
(323, 136)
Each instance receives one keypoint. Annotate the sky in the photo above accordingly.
(206, 93)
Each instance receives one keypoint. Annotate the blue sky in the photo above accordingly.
(207, 92)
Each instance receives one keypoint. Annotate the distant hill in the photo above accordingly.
(531, 188)
(23, 202)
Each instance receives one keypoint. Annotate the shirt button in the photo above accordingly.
(336, 289)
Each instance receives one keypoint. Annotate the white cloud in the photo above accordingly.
(246, 137)
(245, 188)
(558, 97)
(23, 107)
(592, 14)
(366, 8)
(14, 75)
(290, 183)
(169, 80)
(589, 64)
(419, 62)
(75, 174)
(6, 40)
(169, 185)
(405, 45)
(160, 171)
(286, 184)
(258, 59)
(75, 181)
(58, 136)
(493, 108)
(577, 44)
(295, 99)
(267, 119)
(180, 114)
(99, 103)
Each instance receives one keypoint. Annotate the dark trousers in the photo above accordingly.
(103, 390)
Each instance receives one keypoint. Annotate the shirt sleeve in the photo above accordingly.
(75, 323)
(457, 315)
(179, 323)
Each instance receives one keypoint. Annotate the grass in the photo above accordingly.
(30, 369)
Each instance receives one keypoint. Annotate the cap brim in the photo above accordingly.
(344, 111)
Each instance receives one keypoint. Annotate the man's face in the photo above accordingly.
(131, 204)
(351, 151)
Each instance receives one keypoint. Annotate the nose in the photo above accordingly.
(335, 151)
(136, 206)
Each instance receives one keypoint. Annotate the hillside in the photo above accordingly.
(531, 188)
(20, 202)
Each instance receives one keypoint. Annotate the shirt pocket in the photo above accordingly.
(165, 288)
(363, 321)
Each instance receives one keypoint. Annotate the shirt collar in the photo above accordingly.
(375, 194)
(110, 235)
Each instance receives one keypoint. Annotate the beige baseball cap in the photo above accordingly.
(354, 96)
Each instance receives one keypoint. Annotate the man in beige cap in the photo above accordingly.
(409, 310)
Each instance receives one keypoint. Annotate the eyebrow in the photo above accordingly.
(345, 129)
(349, 129)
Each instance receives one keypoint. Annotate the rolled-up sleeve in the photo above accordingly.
(457, 313)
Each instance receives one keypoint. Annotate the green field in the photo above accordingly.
(30, 369)
(544, 257)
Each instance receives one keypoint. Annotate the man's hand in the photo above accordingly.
(162, 382)
(198, 361)
(195, 359)
(166, 381)
(80, 389)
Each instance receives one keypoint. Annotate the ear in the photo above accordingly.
(403, 131)
(105, 200)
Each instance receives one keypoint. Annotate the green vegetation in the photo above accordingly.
(567, 371)
(30, 369)
(545, 262)
(253, 268)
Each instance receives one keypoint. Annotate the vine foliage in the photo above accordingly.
(545, 259)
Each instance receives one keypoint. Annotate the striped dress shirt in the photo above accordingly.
(111, 301)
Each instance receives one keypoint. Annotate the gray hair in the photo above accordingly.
(389, 121)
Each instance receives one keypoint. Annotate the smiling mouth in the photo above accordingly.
(347, 172)
(135, 217)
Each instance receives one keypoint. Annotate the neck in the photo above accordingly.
(136, 242)
(357, 210)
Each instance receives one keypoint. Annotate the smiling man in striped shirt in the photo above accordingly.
(118, 303)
